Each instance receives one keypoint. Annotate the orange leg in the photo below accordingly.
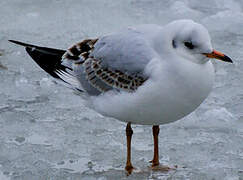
(129, 168)
(155, 161)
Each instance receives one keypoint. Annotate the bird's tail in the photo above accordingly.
(50, 60)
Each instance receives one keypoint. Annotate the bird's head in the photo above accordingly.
(192, 41)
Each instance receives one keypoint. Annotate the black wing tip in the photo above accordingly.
(20, 43)
(16, 42)
(13, 41)
(48, 59)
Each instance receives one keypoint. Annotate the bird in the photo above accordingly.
(147, 74)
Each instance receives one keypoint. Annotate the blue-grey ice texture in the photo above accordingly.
(46, 131)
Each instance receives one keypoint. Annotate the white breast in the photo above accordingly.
(170, 94)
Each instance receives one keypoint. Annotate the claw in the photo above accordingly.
(162, 168)
(154, 162)
(129, 169)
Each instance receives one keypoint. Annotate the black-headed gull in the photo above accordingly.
(149, 75)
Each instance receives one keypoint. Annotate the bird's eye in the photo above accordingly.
(189, 45)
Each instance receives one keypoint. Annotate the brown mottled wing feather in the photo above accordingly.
(99, 77)
(113, 78)
(81, 49)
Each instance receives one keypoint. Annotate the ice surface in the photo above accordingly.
(47, 132)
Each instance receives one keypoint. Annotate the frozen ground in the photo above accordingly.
(46, 132)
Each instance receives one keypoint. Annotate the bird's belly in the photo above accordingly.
(158, 102)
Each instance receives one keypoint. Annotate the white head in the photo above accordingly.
(192, 41)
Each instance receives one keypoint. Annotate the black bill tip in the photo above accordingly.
(226, 59)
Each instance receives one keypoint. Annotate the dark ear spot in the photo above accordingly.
(174, 43)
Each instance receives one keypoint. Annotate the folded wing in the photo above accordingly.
(96, 65)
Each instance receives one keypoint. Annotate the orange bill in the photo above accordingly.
(218, 55)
